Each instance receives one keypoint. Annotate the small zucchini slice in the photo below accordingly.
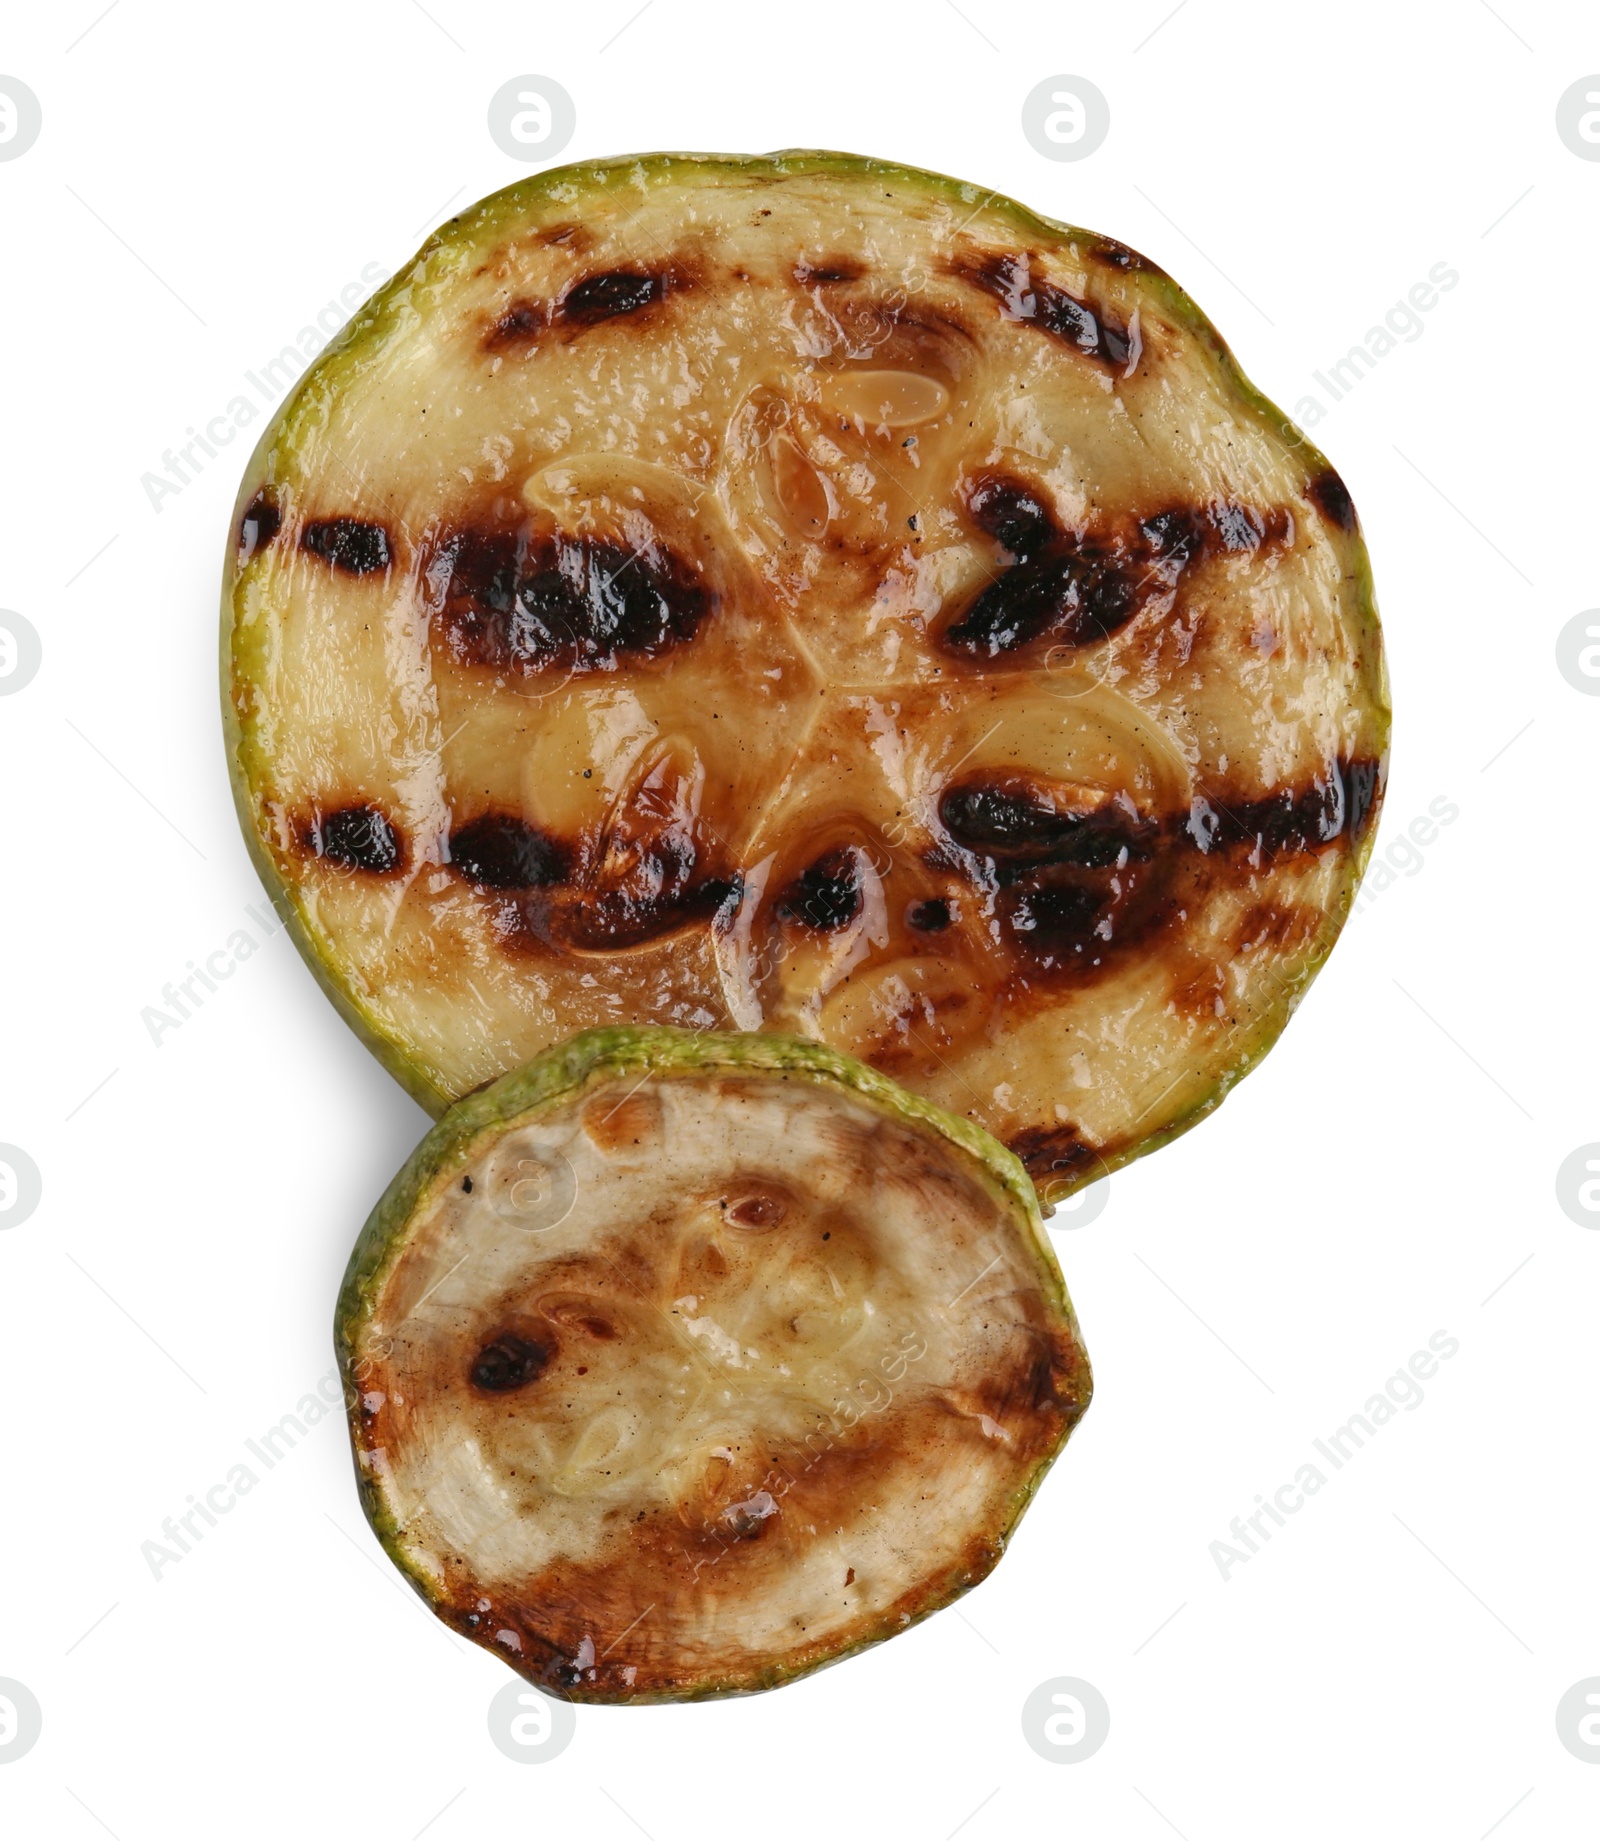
(680, 1365)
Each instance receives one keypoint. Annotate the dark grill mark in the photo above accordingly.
(357, 836)
(644, 876)
(514, 603)
(1224, 526)
(1065, 884)
(258, 526)
(979, 815)
(350, 545)
(827, 896)
(1045, 304)
(1048, 1368)
(928, 916)
(663, 900)
(1173, 536)
(606, 296)
(1337, 804)
(509, 1362)
(521, 323)
(1112, 254)
(1003, 819)
(1237, 528)
(834, 269)
(1015, 830)
(1013, 514)
(498, 851)
(1075, 599)
(1066, 920)
(1332, 498)
(596, 298)
(660, 895)
(1051, 1150)
(1362, 781)
(1075, 589)
(1072, 891)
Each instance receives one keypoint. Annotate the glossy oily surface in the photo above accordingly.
(805, 594)
(681, 1365)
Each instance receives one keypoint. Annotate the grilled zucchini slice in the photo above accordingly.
(807, 594)
(680, 1365)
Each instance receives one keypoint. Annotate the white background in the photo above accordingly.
(207, 177)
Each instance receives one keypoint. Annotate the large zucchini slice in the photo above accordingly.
(808, 594)
(680, 1365)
